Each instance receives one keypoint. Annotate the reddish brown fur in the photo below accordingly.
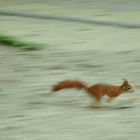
(97, 90)
(68, 84)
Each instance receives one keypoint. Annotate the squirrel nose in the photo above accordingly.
(132, 90)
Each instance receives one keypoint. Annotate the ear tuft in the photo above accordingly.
(125, 81)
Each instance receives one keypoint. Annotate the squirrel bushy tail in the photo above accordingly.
(69, 84)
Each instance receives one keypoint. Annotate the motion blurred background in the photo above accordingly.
(90, 40)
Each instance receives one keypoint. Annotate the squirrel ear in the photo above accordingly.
(125, 81)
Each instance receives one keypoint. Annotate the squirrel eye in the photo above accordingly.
(128, 88)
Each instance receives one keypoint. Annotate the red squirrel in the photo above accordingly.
(97, 90)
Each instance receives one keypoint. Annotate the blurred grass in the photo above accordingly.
(14, 42)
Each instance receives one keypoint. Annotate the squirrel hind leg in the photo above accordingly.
(96, 104)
